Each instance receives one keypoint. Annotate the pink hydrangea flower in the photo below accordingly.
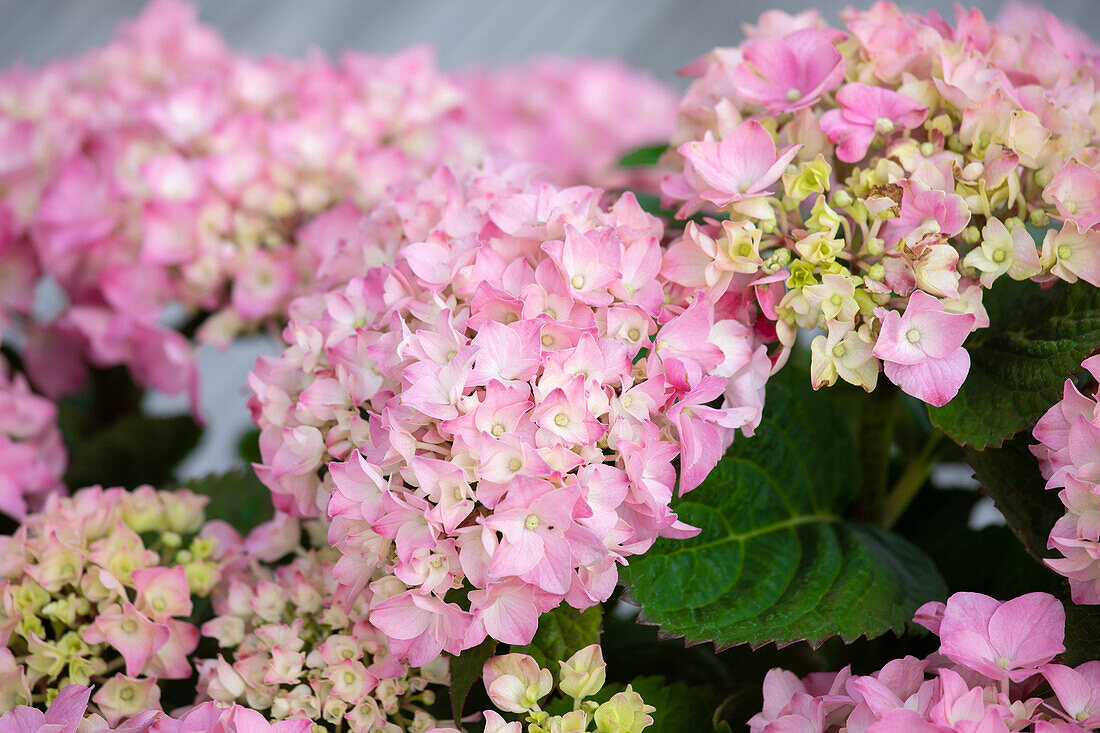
(977, 681)
(922, 349)
(742, 166)
(1068, 436)
(866, 111)
(997, 639)
(789, 73)
(498, 407)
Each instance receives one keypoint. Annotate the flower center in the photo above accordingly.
(836, 299)
(1003, 662)
(126, 693)
(912, 335)
(561, 419)
(884, 125)
(532, 521)
(349, 678)
(159, 604)
(514, 465)
(999, 255)
(793, 95)
(839, 350)
(1063, 252)
(633, 334)
(497, 430)
(128, 626)
(577, 282)
(547, 340)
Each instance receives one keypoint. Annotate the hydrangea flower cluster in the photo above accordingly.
(67, 713)
(98, 588)
(572, 118)
(32, 453)
(294, 646)
(490, 417)
(516, 684)
(197, 197)
(165, 168)
(1069, 443)
(881, 176)
(987, 676)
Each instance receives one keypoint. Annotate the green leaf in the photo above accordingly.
(238, 497)
(1010, 476)
(248, 447)
(644, 156)
(465, 671)
(1035, 339)
(135, 449)
(562, 632)
(774, 560)
(1082, 634)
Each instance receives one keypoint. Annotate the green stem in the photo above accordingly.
(876, 435)
(910, 481)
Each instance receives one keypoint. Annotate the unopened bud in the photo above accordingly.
(584, 673)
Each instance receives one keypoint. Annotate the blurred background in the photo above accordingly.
(658, 36)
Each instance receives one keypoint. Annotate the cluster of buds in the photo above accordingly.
(1069, 443)
(97, 589)
(878, 178)
(993, 673)
(294, 646)
(32, 453)
(498, 406)
(165, 168)
(516, 685)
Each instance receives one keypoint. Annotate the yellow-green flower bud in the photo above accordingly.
(812, 178)
(626, 712)
(943, 124)
(823, 218)
(802, 274)
(971, 235)
(202, 577)
(584, 673)
(202, 547)
(819, 247)
(1038, 218)
(30, 598)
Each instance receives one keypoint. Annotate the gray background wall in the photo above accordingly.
(659, 36)
(656, 35)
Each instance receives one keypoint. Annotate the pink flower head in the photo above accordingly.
(1011, 639)
(420, 626)
(922, 349)
(926, 212)
(63, 715)
(744, 165)
(789, 73)
(1077, 690)
(130, 632)
(1075, 190)
(864, 112)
